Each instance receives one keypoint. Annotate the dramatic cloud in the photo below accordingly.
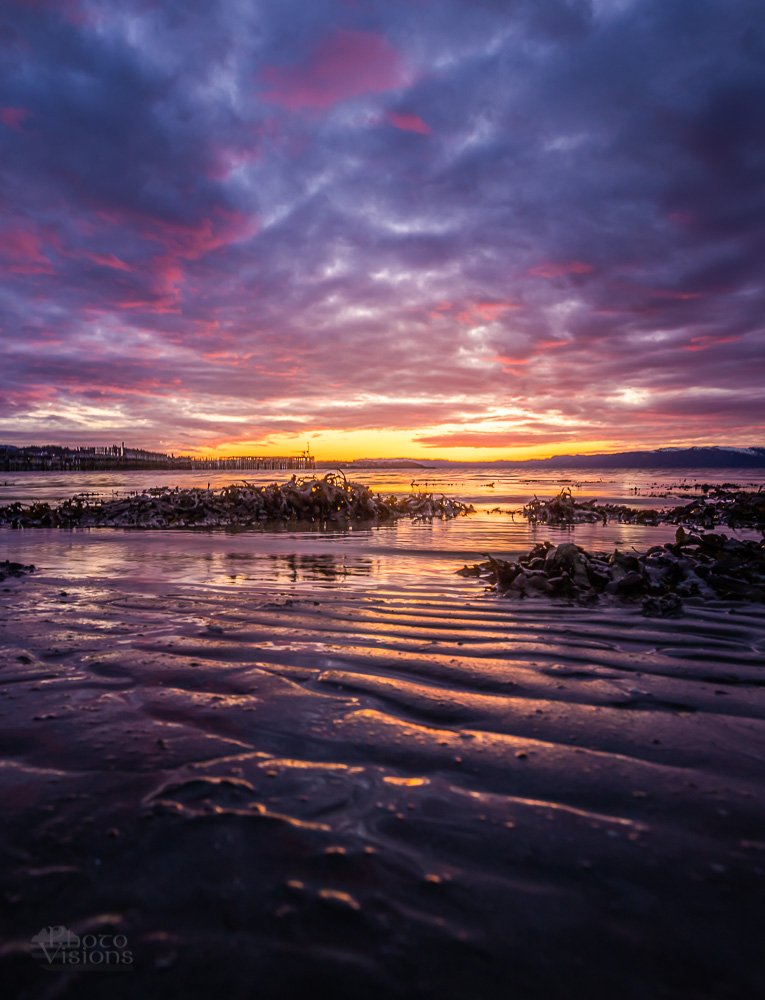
(478, 229)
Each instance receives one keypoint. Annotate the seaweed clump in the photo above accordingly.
(721, 506)
(563, 509)
(8, 568)
(706, 566)
(718, 507)
(331, 499)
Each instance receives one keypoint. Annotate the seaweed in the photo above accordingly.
(329, 500)
(705, 566)
(8, 568)
(564, 510)
(720, 506)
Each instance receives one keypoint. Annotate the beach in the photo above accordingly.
(292, 760)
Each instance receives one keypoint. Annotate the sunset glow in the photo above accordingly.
(447, 230)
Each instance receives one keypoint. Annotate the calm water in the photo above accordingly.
(484, 485)
(403, 553)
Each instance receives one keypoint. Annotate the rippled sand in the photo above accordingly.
(279, 763)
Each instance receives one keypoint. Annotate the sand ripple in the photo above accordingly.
(398, 787)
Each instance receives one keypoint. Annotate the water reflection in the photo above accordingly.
(321, 566)
(401, 554)
(484, 485)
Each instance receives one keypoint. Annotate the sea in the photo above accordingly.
(357, 557)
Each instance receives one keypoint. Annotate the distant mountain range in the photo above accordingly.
(30, 457)
(660, 458)
(706, 457)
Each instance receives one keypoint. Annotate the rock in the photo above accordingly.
(666, 606)
(630, 583)
(703, 567)
(564, 556)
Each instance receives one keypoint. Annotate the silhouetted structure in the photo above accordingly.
(54, 458)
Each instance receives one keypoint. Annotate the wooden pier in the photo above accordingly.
(242, 462)
(54, 458)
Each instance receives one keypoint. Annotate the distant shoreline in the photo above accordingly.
(712, 457)
(706, 457)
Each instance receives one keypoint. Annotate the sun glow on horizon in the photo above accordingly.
(348, 446)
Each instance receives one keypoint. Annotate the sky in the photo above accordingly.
(468, 229)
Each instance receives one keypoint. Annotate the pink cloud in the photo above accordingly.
(439, 310)
(551, 345)
(559, 269)
(486, 312)
(193, 240)
(175, 243)
(14, 117)
(704, 342)
(188, 240)
(109, 260)
(21, 250)
(158, 307)
(26, 396)
(345, 64)
(671, 296)
(408, 122)
(508, 362)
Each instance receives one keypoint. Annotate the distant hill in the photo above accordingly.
(705, 457)
(661, 458)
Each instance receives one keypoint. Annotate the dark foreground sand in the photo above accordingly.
(381, 792)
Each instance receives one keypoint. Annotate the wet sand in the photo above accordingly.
(298, 762)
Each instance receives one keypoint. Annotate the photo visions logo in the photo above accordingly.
(59, 948)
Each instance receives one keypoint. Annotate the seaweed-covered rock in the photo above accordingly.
(703, 566)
